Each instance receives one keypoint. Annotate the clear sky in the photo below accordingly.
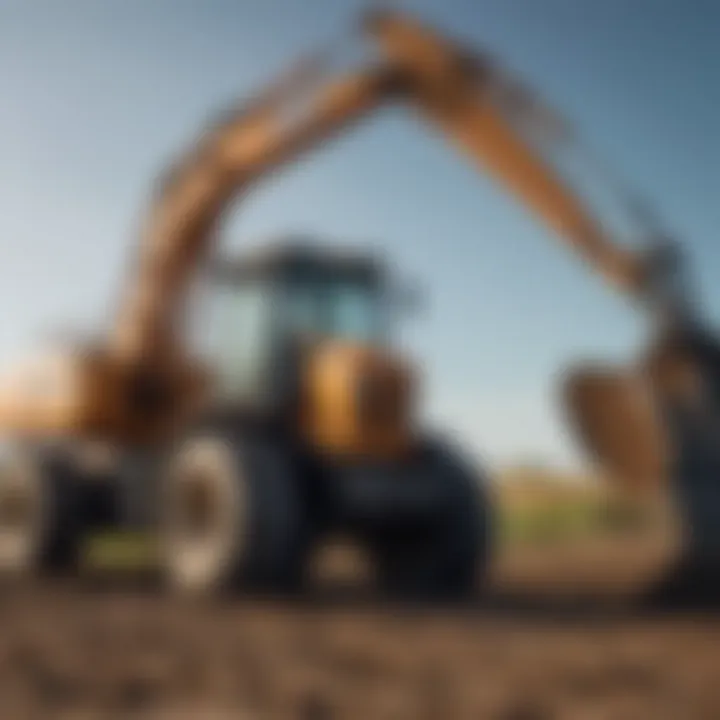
(95, 97)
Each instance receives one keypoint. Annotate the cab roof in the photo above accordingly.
(296, 256)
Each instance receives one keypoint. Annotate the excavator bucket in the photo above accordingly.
(614, 415)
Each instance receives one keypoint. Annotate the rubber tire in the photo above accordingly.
(55, 533)
(448, 561)
(265, 548)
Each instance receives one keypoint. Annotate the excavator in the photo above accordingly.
(308, 423)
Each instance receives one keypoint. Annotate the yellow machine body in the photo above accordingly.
(358, 402)
(88, 393)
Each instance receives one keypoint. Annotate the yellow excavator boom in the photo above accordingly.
(141, 382)
(448, 85)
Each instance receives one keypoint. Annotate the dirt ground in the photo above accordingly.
(558, 635)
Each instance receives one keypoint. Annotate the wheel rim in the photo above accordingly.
(20, 514)
(204, 514)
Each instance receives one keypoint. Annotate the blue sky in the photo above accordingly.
(95, 97)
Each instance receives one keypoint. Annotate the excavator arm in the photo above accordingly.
(449, 86)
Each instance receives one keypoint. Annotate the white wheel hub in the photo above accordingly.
(206, 513)
(21, 509)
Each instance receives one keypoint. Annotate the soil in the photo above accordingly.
(557, 634)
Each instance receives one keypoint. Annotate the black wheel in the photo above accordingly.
(232, 517)
(41, 525)
(445, 559)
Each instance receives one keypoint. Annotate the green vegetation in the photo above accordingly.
(121, 551)
(561, 521)
(538, 509)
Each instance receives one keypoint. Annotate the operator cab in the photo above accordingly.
(268, 306)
